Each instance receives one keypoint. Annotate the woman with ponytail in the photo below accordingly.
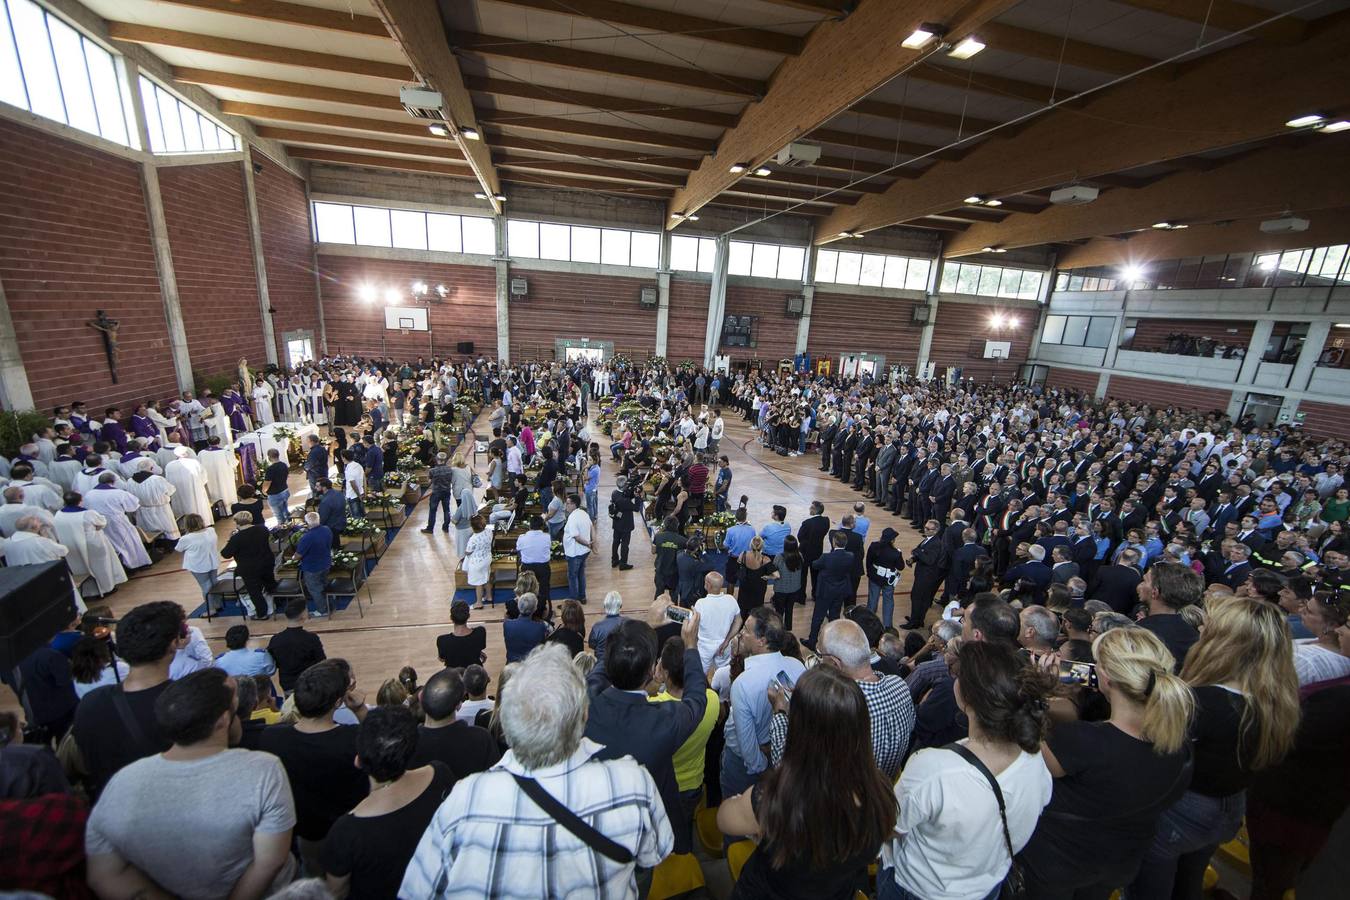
(1113, 779)
(1246, 696)
(950, 842)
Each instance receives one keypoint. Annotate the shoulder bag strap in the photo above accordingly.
(133, 727)
(572, 822)
(970, 757)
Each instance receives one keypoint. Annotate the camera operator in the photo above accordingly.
(622, 505)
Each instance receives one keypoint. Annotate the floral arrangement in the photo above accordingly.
(345, 559)
(357, 526)
(621, 361)
(379, 501)
(720, 520)
(656, 362)
(556, 551)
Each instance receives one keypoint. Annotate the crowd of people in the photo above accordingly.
(1126, 635)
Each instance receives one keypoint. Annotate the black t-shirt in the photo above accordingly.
(1223, 750)
(570, 639)
(465, 748)
(1104, 811)
(324, 779)
(106, 743)
(1173, 631)
(797, 879)
(374, 850)
(294, 650)
(458, 652)
(277, 474)
(255, 509)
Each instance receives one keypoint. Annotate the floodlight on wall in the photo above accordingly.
(966, 48)
(442, 290)
(850, 234)
(500, 198)
(1131, 274)
(419, 288)
(922, 36)
(993, 203)
(367, 293)
(392, 296)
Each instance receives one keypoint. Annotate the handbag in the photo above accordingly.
(572, 822)
(1014, 883)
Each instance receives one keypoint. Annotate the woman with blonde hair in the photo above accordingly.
(1113, 779)
(1246, 695)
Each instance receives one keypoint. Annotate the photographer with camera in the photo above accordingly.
(622, 505)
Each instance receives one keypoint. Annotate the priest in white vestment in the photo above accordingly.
(155, 494)
(216, 420)
(114, 503)
(30, 547)
(219, 464)
(63, 470)
(15, 509)
(189, 483)
(37, 491)
(91, 553)
(87, 478)
(262, 404)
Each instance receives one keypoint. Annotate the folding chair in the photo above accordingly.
(227, 587)
(350, 586)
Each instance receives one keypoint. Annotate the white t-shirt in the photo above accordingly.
(578, 525)
(1314, 663)
(948, 842)
(355, 478)
(716, 613)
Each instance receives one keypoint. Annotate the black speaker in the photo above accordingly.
(36, 602)
(464, 347)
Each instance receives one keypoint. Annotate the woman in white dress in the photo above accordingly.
(478, 560)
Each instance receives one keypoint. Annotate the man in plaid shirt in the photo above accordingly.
(489, 839)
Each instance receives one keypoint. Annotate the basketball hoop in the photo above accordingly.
(403, 331)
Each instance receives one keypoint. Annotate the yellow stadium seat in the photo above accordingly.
(677, 874)
(1236, 852)
(709, 835)
(1289, 894)
(737, 854)
(1211, 877)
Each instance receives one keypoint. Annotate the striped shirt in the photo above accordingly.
(489, 840)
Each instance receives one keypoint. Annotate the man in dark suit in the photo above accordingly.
(827, 435)
(930, 567)
(1029, 566)
(886, 457)
(622, 507)
(811, 537)
(626, 724)
(940, 493)
(1064, 567)
(1224, 512)
(905, 461)
(1238, 568)
(1118, 585)
(861, 456)
(1248, 534)
(853, 543)
(963, 563)
(921, 478)
(833, 584)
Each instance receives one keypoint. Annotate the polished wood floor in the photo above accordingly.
(414, 580)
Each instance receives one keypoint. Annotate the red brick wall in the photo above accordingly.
(1151, 334)
(1326, 419)
(207, 220)
(844, 323)
(469, 312)
(688, 320)
(287, 239)
(1166, 393)
(775, 334)
(574, 305)
(962, 329)
(74, 238)
(1072, 379)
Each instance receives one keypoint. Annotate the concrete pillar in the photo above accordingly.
(662, 312)
(1113, 346)
(1103, 382)
(717, 302)
(1256, 348)
(503, 266)
(926, 337)
(1034, 349)
(318, 282)
(804, 323)
(259, 258)
(1306, 365)
(15, 392)
(168, 281)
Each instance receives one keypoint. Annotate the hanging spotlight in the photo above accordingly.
(692, 217)
(1305, 120)
(992, 249)
(500, 198)
(923, 36)
(392, 296)
(738, 168)
(1132, 274)
(966, 48)
(973, 200)
(479, 195)
(1335, 127)
(438, 130)
(367, 293)
(996, 320)
(470, 133)
(993, 203)
(763, 171)
(1012, 323)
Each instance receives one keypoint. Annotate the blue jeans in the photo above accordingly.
(576, 576)
(887, 595)
(316, 586)
(1187, 836)
(593, 504)
(545, 498)
(439, 500)
(887, 889)
(734, 778)
(355, 508)
(279, 507)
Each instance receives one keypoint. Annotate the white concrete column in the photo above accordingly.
(168, 281)
(1103, 381)
(1313, 345)
(717, 302)
(1034, 349)
(259, 258)
(662, 312)
(503, 265)
(804, 323)
(926, 337)
(1256, 348)
(15, 392)
(1113, 346)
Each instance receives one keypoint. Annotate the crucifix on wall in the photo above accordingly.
(109, 328)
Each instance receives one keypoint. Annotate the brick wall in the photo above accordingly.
(960, 333)
(1072, 379)
(1326, 420)
(1167, 393)
(468, 313)
(207, 220)
(775, 334)
(575, 305)
(844, 323)
(1151, 334)
(688, 319)
(283, 219)
(75, 238)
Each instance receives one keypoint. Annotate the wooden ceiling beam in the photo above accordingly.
(544, 145)
(1054, 48)
(1281, 178)
(937, 224)
(442, 150)
(765, 206)
(842, 63)
(980, 83)
(1137, 123)
(585, 184)
(651, 19)
(506, 87)
(279, 88)
(563, 167)
(380, 162)
(897, 112)
(285, 56)
(333, 120)
(881, 144)
(589, 61)
(973, 214)
(1227, 15)
(292, 14)
(498, 119)
(418, 29)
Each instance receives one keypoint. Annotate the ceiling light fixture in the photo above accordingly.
(692, 217)
(966, 48)
(738, 168)
(923, 36)
(479, 195)
(996, 320)
(973, 200)
(1012, 323)
(500, 198)
(1162, 226)
(993, 203)
(1305, 120)
(438, 130)
(1342, 325)
(470, 133)
(392, 296)
(419, 288)
(763, 171)
(993, 249)
(442, 290)
(1335, 127)
(367, 293)
(1132, 274)
(677, 216)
